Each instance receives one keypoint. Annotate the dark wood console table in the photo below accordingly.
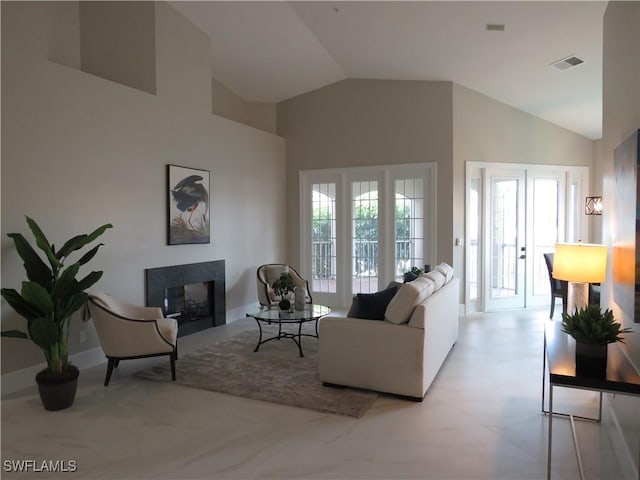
(622, 378)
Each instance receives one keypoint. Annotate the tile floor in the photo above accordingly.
(480, 420)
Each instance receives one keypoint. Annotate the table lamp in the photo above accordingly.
(579, 264)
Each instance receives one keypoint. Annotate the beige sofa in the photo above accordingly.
(402, 359)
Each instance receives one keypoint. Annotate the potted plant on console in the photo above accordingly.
(282, 286)
(47, 300)
(593, 331)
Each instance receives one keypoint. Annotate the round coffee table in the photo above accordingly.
(310, 313)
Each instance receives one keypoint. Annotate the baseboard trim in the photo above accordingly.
(610, 422)
(13, 382)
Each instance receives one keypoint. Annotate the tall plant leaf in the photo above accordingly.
(73, 304)
(38, 296)
(44, 332)
(67, 281)
(43, 243)
(19, 304)
(79, 241)
(14, 334)
(36, 269)
(89, 280)
(70, 245)
(90, 254)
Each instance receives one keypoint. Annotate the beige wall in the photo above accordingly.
(621, 117)
(490, 131)
(369, 122)
(117, 41)
(374, 122)
(229, 105)
(79, 151)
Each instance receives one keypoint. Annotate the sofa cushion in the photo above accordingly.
(436, 277)
(408, 296)
(446, 270)
(427, 286)
(372, 306)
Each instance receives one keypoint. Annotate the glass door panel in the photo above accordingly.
(409, 225)
(323, 238)
(506, 243)
(474, 242)
(365, 238)
(545, 230)
(543, 219)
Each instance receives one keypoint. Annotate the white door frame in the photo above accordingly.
(574, 181)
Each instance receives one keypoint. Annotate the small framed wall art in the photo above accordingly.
(188, 205)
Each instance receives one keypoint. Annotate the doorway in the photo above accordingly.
(515, 214)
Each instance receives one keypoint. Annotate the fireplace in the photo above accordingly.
(193, 294)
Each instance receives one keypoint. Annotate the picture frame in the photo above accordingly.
(188, 205)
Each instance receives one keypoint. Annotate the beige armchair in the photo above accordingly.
(272, 271)
(129, 331)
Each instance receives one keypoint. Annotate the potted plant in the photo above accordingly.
(412, 274)
(282, 286)
(47, 299)
(593, 331)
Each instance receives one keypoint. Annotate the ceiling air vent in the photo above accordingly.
(568, 62)
(495, 27)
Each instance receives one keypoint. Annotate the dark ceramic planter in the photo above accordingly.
(591, 360)
(284, 304)
(58, 395)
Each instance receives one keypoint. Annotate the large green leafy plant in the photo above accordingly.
(283, 285)
(52, 293)
(592, 326)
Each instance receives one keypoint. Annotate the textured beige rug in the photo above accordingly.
(275, 373)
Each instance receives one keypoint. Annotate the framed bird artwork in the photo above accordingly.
(188, 205)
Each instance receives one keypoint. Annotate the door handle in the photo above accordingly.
(522, 257)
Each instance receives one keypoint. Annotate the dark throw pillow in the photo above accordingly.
(371, 306)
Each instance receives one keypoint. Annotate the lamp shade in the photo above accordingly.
(580, 262)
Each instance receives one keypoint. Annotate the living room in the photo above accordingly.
(90, 124)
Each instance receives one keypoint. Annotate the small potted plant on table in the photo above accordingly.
(593, 331)
(282, 286)
(48, 298)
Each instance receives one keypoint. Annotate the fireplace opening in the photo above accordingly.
(193, 294)
(187, 303)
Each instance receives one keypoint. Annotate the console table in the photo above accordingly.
(621, 377)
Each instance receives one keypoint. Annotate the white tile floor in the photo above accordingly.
(480, 420)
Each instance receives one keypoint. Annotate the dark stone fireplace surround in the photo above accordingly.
(157, 280)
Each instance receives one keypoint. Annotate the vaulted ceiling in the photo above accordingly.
(271, 51)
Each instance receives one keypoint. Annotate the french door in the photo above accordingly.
(515, 214)
(364, 227)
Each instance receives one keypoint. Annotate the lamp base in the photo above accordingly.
(577, 296)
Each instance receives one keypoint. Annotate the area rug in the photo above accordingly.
(275, 373)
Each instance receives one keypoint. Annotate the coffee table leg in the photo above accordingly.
(300, 338)
(260, 339)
